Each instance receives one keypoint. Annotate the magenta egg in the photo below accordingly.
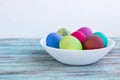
(79, 35)
(87, 31)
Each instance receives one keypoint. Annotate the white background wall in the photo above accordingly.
(36, 18)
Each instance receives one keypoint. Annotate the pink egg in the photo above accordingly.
(79, 35)
(87, 31)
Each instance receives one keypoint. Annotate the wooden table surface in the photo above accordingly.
(25, 59)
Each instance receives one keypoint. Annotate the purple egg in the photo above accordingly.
(87, 31)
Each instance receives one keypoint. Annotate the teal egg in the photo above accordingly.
(103, 37)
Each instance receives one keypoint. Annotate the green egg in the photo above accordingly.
(63, 32)
(70, 43)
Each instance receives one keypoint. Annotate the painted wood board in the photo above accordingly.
(25, 59)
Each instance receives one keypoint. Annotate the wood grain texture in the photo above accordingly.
(25, 59)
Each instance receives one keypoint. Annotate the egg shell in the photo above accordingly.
(93, 42)
(103, 37)
(53, 40)
(63, 32)
(70, 43)
(79, 35)
(87, 31)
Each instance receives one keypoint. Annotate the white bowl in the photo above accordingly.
(77, 57)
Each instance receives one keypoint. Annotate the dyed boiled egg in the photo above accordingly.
(63, 31)
(79, 35)
(87, 31)
(53, 40)
(93, 42)
(70, 43)
(103, 37)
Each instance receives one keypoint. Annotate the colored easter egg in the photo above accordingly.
(79, 35)
(53, 40)
(70, 43)
(103, 37)
(63, 31)
(87, 31)
(93, 42)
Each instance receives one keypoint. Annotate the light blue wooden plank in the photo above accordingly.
(25, 59)
(21, 42)
(19, 48)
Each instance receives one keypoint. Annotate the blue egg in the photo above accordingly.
(53, 40)
(103, 37)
